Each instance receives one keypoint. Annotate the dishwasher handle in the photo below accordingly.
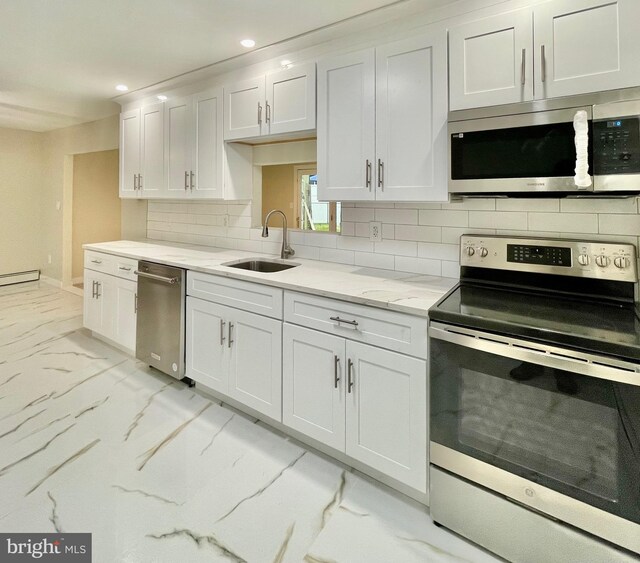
(164, 279)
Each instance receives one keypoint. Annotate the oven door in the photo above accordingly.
(531, 152)
(551, 428)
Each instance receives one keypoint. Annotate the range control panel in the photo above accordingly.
(587, 259)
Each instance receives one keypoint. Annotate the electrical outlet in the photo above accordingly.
(49, 258)
(375, 230)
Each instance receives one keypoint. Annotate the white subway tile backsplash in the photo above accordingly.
(444, 217)
(620, 224)
(334, 255)
(421, 238)
(372, 260)
(397, 247)
(419, 265)
(397, 216)
(498, 219)
(411, 232)
(563, 222)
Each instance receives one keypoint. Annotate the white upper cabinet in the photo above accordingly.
(278, 103)
(141, 151)
(491, 61)
(411, 118)
(208, 150)
(557, 48)
(346, 127)
(178, 137)
(382, 116)
(129, 152)
(586, 46)
(244, 110)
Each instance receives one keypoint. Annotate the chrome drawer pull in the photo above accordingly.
(336, 377)
(230, 342)
(124, 269)
(222, 338)
(339, 320)
(349, 376)
(96, 261)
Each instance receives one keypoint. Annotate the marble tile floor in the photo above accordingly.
(93, 441)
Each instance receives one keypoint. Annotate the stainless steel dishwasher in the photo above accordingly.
(161, 317)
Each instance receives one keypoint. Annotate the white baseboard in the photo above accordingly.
(51, 281)
(19, 277)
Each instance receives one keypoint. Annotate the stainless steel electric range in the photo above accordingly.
(535, 400)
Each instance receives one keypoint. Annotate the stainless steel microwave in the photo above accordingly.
(529, 148)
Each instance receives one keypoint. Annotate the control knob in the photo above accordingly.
(483, 251)
(583, 259)
(602, 261)
(470, 251)
(621, 262)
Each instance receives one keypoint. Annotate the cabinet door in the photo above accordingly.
(125, 313)
(207, 162)
(313, 384)
(244, 111)
(206, 344)
(92, 317)
(255, 370)
(386, 413)
(129, 152)
(588, 46)
(346, 127)
(411, 119)
(178, 135)
(491, 61)
(290, 103)
(151, 182)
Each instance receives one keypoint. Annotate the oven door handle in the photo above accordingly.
(589, 365)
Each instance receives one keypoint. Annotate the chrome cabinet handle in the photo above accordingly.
(135, 181)
(380, 174)
(336, 377)
(98, 285)
(139, 181)
(543, 63)
(186, 180)
(268, 113)
(522, 67)
(339, 320)
(259, 114)
(171, 281)
(230, 342)
(191, 175)
(124, 269)
(222, 338)
(368, 174)
(349, 376)
(96, 261)
(93, 290)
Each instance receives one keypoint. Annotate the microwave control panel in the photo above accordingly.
(617, 145)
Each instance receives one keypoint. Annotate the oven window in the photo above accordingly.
(540, 151)
(572, 433)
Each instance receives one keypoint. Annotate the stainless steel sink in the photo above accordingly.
(262, 265)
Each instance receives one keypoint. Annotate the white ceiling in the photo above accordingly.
(60, 60)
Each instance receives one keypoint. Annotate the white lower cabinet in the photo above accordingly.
(363, 400)
(110, 305)
(237, 353)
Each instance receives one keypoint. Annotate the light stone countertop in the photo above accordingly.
(387, 289)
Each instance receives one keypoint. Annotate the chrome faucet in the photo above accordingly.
(286, 251)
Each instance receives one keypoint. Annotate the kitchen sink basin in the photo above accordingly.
(261, 265)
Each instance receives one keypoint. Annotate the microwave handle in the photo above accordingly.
(550, 356)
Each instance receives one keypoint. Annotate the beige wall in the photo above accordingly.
(20, 192)
(96, 205)
(278, 189)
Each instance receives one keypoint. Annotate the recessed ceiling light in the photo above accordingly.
(162, 97)
(122, 88)
(248, 43)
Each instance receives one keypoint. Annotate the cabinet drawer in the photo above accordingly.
(386, 329)
(124, 267)
(98, 262)
(252, 297)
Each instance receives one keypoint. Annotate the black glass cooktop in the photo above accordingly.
(599, 326)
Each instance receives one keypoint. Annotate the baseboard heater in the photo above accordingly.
(19, 277)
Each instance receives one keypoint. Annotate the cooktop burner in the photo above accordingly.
(516, 287)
